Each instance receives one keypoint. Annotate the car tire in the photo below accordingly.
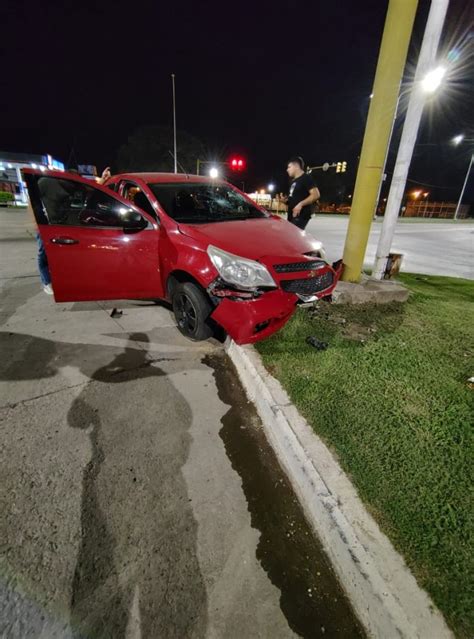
(192, 310)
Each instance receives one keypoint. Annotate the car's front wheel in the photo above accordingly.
(192, 309)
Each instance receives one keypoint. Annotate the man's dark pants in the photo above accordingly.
(301, 221)
(43, 262)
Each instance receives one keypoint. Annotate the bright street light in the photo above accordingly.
(458, 139)
(433, 79)
(214, 173)
(271, 188)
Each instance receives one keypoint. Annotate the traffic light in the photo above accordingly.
(341, 167)
(237, 164)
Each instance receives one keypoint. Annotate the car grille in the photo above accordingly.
(310, 285)
(294, 267)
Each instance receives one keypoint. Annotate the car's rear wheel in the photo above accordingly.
(192, 309)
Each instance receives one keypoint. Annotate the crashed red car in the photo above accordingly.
(198, 243)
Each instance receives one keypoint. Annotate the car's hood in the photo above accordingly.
(253, 239)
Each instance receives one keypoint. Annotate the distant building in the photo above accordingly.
(12, 163)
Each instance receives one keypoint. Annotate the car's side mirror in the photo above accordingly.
(132, 222)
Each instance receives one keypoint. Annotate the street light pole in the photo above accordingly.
(174, 126)
(391, 62)
(421, 85)
(456, 213)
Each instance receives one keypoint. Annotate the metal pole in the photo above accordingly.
(383, 176)
(456, 212)
(174, 126)
(426, 59)
(390, 65)
(197, 166)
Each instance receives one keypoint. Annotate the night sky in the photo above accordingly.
(268, 80)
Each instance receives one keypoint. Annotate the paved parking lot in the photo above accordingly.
(139, 496)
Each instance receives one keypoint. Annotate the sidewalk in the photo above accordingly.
(140, 495)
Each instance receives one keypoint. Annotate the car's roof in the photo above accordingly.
(156, 178)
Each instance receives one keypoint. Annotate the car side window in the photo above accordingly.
(138, 197)
(72, 203)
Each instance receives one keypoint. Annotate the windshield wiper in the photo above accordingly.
(214, 218)
(192, 218)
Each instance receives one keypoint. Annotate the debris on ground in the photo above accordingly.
(316, 343)
(116, 313)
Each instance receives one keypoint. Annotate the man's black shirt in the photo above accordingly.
(299, 190)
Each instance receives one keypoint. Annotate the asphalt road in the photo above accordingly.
(434, 248)
(139, 497)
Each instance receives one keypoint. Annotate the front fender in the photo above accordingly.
(182, 254)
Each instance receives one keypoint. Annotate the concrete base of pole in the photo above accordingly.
(380, 267)
(370, 290)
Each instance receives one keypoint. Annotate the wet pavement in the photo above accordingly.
(140, 497)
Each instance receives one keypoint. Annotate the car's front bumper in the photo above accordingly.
(249, 321)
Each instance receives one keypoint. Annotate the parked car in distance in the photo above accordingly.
(198, 243)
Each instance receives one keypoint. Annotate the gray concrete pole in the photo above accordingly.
(426, 62)
(456, 213)
(174, 127)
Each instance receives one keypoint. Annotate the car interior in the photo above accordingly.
(135, 194)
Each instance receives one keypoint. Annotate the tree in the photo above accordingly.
(149, 148)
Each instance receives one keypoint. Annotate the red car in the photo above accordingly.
(198, 243)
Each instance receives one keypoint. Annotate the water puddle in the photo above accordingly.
(311, 598)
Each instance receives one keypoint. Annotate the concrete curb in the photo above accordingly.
(370, 290)
(383, 592)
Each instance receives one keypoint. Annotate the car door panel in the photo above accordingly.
(90, 262)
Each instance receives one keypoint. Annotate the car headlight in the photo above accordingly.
(318, 251)
(239, 271)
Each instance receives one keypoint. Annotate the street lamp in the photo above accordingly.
(271, 188)
(458, 139)
(433, 79)
(214, 173)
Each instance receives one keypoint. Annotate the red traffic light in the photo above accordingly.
(237, 164)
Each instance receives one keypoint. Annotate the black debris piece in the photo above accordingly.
(316, 343)
(116, 313)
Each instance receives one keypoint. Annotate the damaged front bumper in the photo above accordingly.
(248, 321)
(250, 316)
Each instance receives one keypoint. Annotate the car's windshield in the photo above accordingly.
(202, 203)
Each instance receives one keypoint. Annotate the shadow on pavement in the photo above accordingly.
(137, 568)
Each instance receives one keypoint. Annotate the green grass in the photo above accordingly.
(391, 399)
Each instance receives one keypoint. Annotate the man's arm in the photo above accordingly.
(313, 196)
(105, 176)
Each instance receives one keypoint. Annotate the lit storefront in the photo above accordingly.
(10, 175)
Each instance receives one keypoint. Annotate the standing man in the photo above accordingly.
(303, 194)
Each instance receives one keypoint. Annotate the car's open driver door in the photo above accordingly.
(99, 246)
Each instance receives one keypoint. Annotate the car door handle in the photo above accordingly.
(64, 240)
